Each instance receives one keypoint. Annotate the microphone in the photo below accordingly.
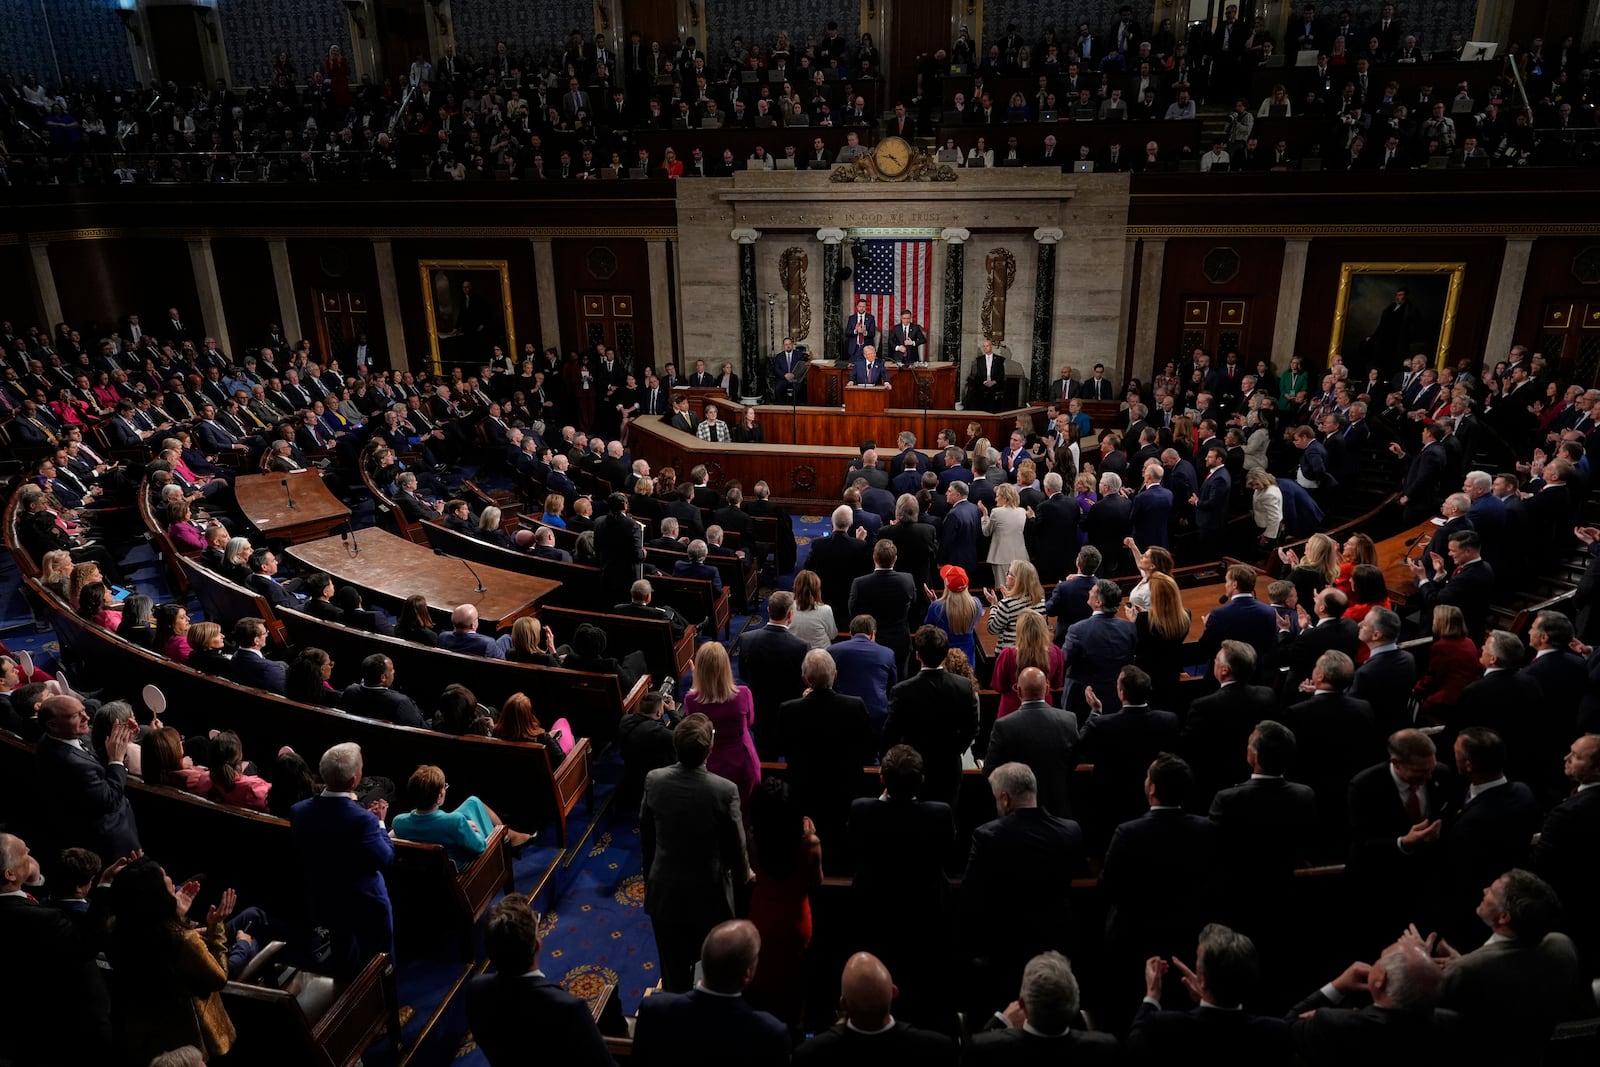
(288, 494)
(464, 563)
(349, 538)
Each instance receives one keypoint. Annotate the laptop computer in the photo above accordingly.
(1306, 57)
(1277, 59)
(783, 164)
(1083, 166)
(1188, 166)
(778, 75)
(1460, 106)
(1085, 114)
(1049, 116)
(801, 119)
(1277, 111)
(1438, 162)
(749, 77)
(1477, 162)
(608, 175)
(708, 122)
(764, 122)
(1220, 168)
(1311, 163)
(636, 172)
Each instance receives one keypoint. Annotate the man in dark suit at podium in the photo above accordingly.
(908, 341)
(866, 369)
(860, 331)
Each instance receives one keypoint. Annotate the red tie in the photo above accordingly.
(1414, 805)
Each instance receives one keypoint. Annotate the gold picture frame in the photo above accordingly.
(441, 294)
(1432, 289)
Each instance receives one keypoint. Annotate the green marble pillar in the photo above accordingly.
(1044, 313)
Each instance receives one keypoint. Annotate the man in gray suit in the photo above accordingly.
(693, 844)
(1519, 984)
(1043, 737)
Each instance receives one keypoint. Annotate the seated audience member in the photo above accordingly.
(697, 567)
(172, 631)
(163, 762)
(503, 1008)
(517, 722)
(1218, 1027)
(374, 696)
(588, 653)
(531, 642)
(415, 622)
(640, 606)
(464, 636)
(348, 600)
(1037, 1027)
(1398, 1025)
(713, 1025)
(459, 713)
(869, 1033)
(306, 679)
(464, 832)
(250, 665)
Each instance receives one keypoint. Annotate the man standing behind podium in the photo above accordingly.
(910, 342)
(860, 331)
(867, 370)
(986, 389)
(789, 374)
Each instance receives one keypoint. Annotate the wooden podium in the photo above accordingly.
(866, 399)
(828, 382)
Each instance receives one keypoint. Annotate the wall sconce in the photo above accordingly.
(357, 10)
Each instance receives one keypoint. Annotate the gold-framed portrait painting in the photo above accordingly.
(467, 308)
(1386, 313)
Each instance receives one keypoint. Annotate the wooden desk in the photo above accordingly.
(865, 399)
(390, 568)
(264, 501)
(826, 385)
(1393, 552)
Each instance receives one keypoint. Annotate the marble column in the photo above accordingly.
(1291, 285)
(955, 288)
(1125, 308)
(661, 340)
(1044, 312)
(1507, 298)
(832, 313)
(283, 282)
(394, 331)
(749, 311)
(1148, 312)
(544, 288)
(209, 291)
(44, 280)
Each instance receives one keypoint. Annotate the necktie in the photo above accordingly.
(1414, 805)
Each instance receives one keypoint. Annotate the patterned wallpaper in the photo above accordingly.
(88, 38)
(762, 20)
(1031, 17)
(255, 31)
(1435, 20)
(540, 26)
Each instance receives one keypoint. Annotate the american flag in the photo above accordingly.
(894, 274)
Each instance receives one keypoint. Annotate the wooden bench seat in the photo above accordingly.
(286, 1015)
(738, 581)
(667, 656)
(514, 778)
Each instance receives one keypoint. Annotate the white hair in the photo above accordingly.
(340, 767)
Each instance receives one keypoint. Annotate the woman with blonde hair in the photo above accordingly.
(530, 641)
(714, 694)
(1266, 505)
(1032, 649)
(553, 504)
(1315, 570)
(56, 572)
(1022, 593)
(1162, 630)
(1004, 527)
(955, 611)
(813, 620)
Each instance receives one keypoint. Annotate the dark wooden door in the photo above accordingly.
(175, 45)
(656, 20)
(1217, 324)
(607, 317)
(402, 35)
(914, 32)
(341, 318)
(1552, 20)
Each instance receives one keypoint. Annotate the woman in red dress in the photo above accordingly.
(337, 70)
(786, 855)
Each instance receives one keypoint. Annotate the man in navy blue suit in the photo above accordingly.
(1096, 650)
(1218, 1029)
(464, 637)
(1152, 508)
(697, 567)
(1211, 502)
(517, 1001)
(867, 669)
(1242, 618)
(344, 850)
(867, 369)
(249, 665)
(83, 800)
(713, 1024)
(860, 330)
(1069, 601)
(958, 535)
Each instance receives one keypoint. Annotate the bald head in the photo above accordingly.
(866, 991)
(1032, 684)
